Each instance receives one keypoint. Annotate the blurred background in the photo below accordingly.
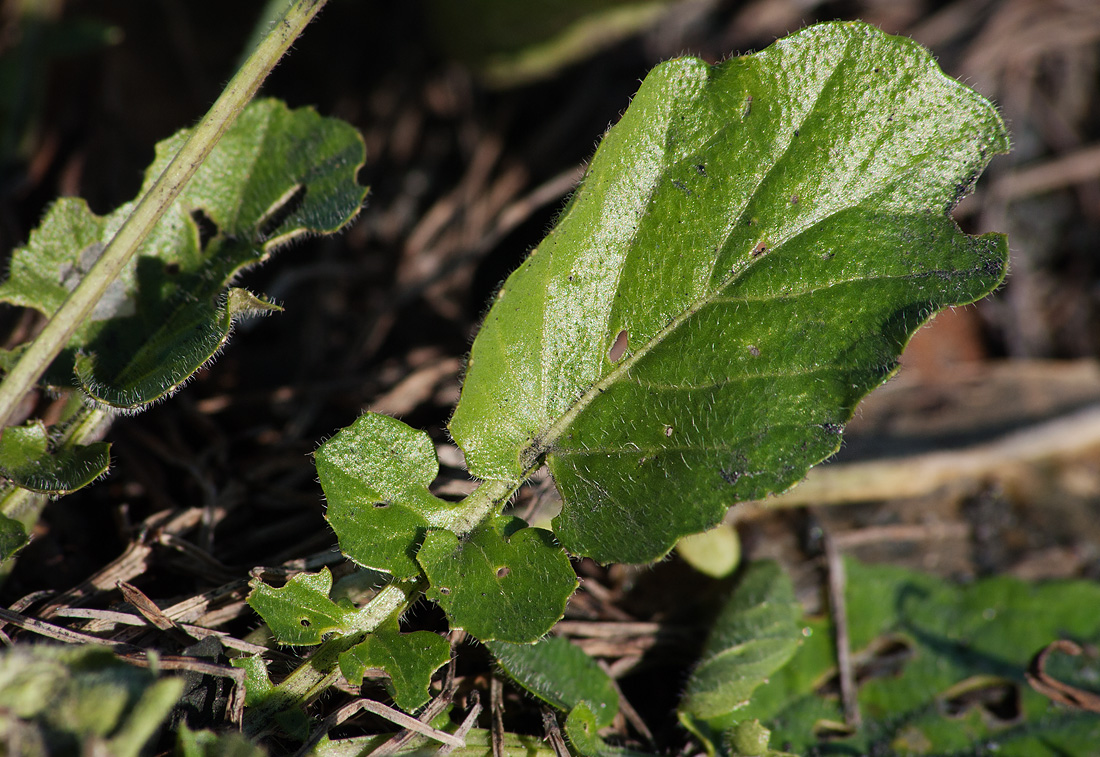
(478, 118)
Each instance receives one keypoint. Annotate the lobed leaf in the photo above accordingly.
(28, 460)
(301, 612)
(275, 175)
(501, 581)
(375, 474)
(940, 669)
(560, 673)
(409, 659)
(750, 251)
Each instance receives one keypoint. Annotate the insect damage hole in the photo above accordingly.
(503, 570)
(618, 349)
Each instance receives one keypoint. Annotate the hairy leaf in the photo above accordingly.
(560, 673)
(26, 458)
(275, 175)
(409, 659)
(502, 581)
(941, 669)
(375, 474)
(13, 536)
(301, 612)
(752, 247)
(755, 634)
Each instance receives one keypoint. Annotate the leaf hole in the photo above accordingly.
(754, 350)
(444, 590)
(668, 431)
(304, 622)
(206, 227)
(503, 570)
(281, 210)
(381, 505)
(618, 349)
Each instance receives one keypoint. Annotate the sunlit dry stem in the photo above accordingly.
(80, 303)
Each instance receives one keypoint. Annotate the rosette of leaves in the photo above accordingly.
(752, 247)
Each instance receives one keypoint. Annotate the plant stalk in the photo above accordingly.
(80, 303)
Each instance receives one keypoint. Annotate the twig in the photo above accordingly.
(627, 709)
(839, 610)
(496, 707)
(394, 716)
(467, 723)
(553, 733)
(1051, 687)
(917, 475)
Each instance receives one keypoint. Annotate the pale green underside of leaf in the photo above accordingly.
(560, 673)
(760, 238)
(754, 635)
(27, 460)
(409, 660)
(275, 175)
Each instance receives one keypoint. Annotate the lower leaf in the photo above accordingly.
(409, 659)
(502, 581)
(27, 460)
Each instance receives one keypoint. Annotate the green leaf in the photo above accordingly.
(409, 659)
(515, 43)
(502, 581)
(751, 249)
(80, 699)
(210, 744)
(716, 552)
(13, 537)
(301, 612)
(275, 175)
(26, 458)
(941, 669)
(581, 729)
(561, 674)
(754, 635)
(375, 474)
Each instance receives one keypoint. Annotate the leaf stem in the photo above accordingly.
(241, 88)
(482, 502)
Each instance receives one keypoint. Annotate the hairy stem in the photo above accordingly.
(152, 206)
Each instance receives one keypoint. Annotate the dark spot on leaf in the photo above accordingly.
(444, 590)
(701, 169)
(999, 698)
(618, 349)
(503, 570)
(172, 269)
(827, 255)
(305, 622)
(760, 249)
(833, 428)
(794, 199)
(206, 226)
(682, 187)
(796, 132)
(381, 505)
(748, 106)
(754, 350)
(730, 477)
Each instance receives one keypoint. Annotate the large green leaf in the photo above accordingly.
(274, 176)
(751, 249)
(375, 474)
(301, 611)
(941, 669)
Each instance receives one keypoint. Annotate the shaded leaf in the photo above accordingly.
(502, 581)
(941, 669)
(753, 636)
(80, 699)
(581, 728)
(28, 460)
(301, 612)
(13, 537)
(409, 659)
(275, 175)
(210, 744)
(752, 247)
(375, 474)
(515, 43)
(561, 674)
(716, 552)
